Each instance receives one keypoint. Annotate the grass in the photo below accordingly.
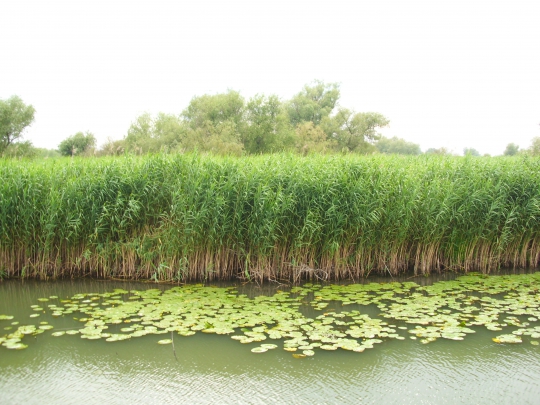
(193, 217)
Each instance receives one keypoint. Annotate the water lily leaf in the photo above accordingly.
(164, 341)
(15, 346)
(27, 330)
(509, 338)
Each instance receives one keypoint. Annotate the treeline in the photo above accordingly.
(182, 217)
(310, 122)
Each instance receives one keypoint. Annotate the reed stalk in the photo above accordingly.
(194, 217)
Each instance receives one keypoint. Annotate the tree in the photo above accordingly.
(354, 132)
(149, 134)
(397, 146)
(266, 128)
(139, 133)
(470, 152)
(511, 149)
(113, 147)
(77, 144)
(15, 116)
(23, 149)
(315, 102)
(215, 109)
(311, 139)
(439, 151)
(534, 149)
(215, 123)
(219, 139)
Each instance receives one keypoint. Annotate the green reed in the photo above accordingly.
(193, 217)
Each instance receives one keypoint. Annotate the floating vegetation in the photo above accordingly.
(507, 305)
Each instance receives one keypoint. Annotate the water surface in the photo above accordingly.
(216, 369)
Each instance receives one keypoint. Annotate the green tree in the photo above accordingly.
(397, 146)
(23, 149)
(470, 152)
(215, 109)
(311, 139)
(222, 139)
(315, 102)
(534, 149)
(140, 133)
(215, 123)
(77, 144)
(15, 116)
(148, 134)
(511, 149)
(113, 147)
(266, 128)
(354, 132)
(438, 151)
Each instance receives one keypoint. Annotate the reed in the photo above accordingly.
(195, 217)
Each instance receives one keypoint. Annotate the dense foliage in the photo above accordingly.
(15, 116)
(185, 217)
(77, 144)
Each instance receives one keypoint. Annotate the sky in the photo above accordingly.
(446, 73)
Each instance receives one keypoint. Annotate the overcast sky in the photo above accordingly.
(457, 73)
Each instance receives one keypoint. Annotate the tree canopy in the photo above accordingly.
(397, 146)
(534, 149)
(315, 102)
(511, 149)
(15, 116)
(470, 152)
(77, 144)
(226, 123)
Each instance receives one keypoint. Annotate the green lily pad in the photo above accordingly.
(510, 338)
(16, 346)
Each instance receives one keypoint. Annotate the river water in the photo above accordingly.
(214, 369)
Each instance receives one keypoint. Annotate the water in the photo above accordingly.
(212, 369)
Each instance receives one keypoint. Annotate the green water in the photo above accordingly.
(209, 369)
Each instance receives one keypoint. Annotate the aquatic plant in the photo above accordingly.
(507, 305)
(192, 217)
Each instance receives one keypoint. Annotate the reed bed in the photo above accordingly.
(275, 217)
